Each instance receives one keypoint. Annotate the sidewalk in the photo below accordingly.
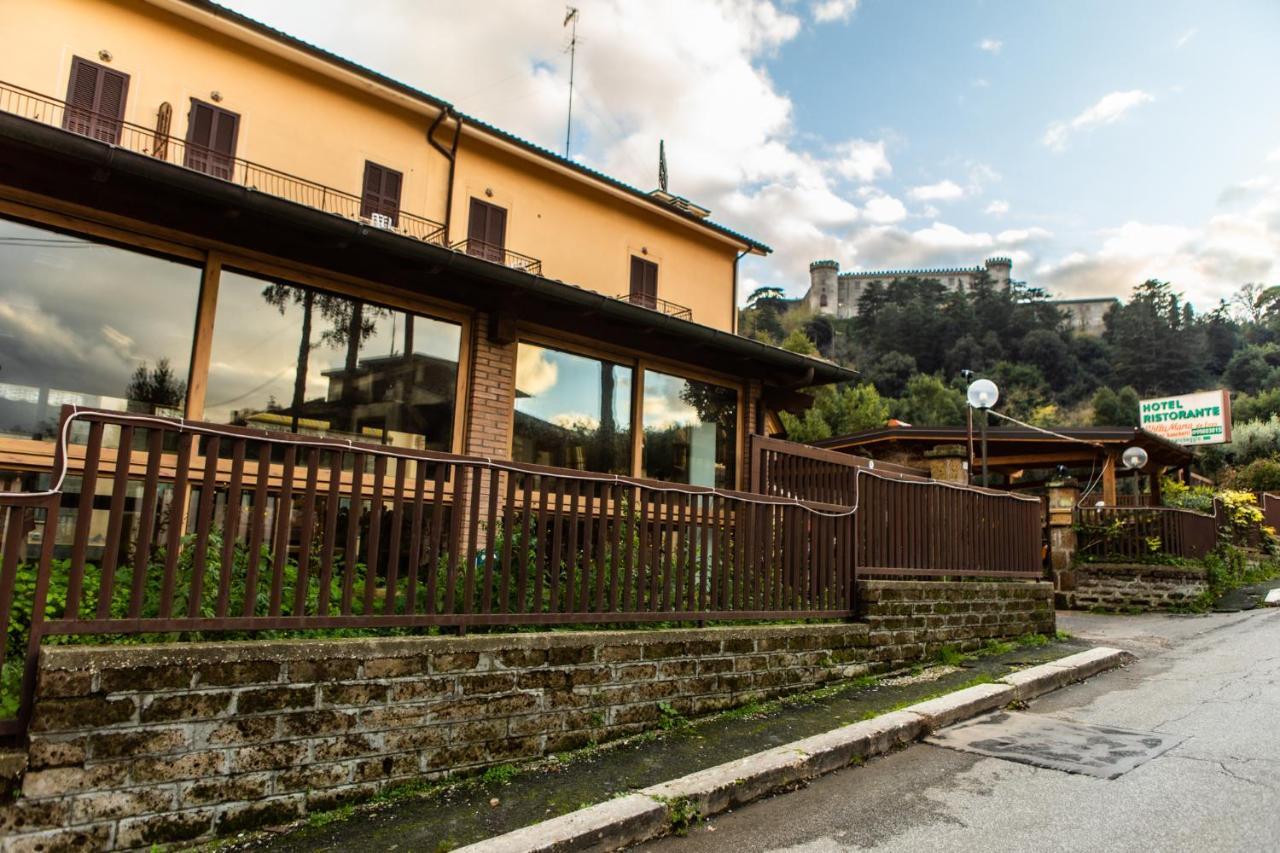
(463, 814)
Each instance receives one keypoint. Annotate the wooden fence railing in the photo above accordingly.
(1129, 533)
(161, 525)
(908, 524)
(1270, 509)
(186, 527)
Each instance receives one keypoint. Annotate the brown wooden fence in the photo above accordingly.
(158, 525)
(1134, 533)
(908, 524)
(1270, 509)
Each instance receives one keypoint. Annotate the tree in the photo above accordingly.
(1112, 409)
(929, 402)
(1158, 345)
(838, 411)
(799, 342)
(1249, 371)
(891, 372)
(158, 387)
(766, 296)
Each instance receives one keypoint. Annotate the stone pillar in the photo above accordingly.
(1063, 497)
(947, 463)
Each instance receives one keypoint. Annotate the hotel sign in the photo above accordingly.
(1203, 418)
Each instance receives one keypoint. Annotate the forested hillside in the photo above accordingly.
(914, 337)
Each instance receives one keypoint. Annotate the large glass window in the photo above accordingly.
(572, 411)
(91, 325)
(296, 359)
(690, 431)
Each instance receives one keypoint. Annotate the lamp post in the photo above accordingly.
(1135, 459)
(982, 395)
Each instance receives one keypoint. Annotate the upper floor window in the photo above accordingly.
(380, 196)
(211, 140)
(487, 231)
(95, 100)
(644, 282)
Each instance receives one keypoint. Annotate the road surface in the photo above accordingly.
(1214, 680)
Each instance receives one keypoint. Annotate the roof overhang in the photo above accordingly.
(1019, 447)
(62, 166)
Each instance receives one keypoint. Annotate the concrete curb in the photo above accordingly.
(651, 813)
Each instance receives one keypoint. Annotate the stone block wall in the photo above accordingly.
(1130, 586)
(135, 745)
(912, 620)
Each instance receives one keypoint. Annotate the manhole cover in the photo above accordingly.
(1102, 751)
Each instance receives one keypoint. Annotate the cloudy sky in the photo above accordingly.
(1096, 143)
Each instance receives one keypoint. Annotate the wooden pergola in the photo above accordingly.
(1011, 450)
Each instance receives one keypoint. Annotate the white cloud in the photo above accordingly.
(1185, 37)
(535, 373)
(861, 160)
(997, 208)
(991, 45)
(1108, 110)
(1274, 156)
(1207, 263)
(941, 191)
(884, 210)
(981, 83)
(825, 11)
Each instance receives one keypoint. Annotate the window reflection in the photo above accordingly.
(572, 411)
(91, 325)
(690, 431)
(296, 359)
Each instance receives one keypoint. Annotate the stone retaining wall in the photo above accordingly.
(135, 745)
(912, 620)
(1129, 586)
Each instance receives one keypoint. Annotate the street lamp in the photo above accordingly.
(1135, 459)
(983, 394)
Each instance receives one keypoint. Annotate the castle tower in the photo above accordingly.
(1000, 270)
(823, 297)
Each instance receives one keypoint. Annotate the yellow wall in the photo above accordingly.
(290, 119)
(586, 236)
(298, 121)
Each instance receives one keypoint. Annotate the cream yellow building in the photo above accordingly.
(204, 216)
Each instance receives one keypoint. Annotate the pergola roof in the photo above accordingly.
(1012, 448)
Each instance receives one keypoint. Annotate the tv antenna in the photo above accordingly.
(571, 21)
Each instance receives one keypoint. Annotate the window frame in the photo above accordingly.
(640, 363)
(96, 120)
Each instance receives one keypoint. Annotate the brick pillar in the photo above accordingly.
(946, 463)
(1063, 497)
(490, 403)
(490, 394)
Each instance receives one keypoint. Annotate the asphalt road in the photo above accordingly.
(1213, 679)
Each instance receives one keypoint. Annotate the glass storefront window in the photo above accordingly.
(295, 359)
(690, 431)
(572, 411)
(89, 324)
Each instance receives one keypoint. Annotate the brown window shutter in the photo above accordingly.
(95, 100)
(381, 192)
(487, 231)
(211, 140)
(644, 282)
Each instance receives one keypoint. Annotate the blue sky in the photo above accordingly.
(1097, 143)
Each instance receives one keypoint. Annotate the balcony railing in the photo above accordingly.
(653, 303)
(499, 255)
(159, 144)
